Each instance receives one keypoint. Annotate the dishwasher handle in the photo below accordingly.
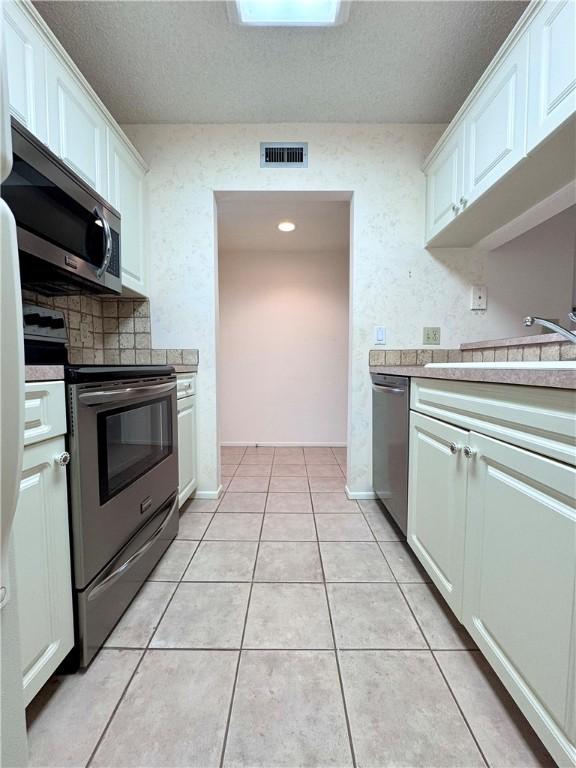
(391, 390)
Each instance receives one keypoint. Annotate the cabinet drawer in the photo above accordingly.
(186, 385)
(539, 419)
(44, 411)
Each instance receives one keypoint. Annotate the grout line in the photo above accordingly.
(235, 682)
(336, 652)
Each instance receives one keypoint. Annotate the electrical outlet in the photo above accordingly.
(479, 297)
(379, 334)
(431, 335)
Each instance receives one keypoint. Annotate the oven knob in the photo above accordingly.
(63, 459)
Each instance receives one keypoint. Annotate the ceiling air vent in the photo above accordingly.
(287, 154)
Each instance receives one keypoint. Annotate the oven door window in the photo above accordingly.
(131, 441)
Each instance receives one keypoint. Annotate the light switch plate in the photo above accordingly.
(479, 297)
(431, 335)
(379, 334)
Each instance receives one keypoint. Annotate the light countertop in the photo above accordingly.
(558, 378)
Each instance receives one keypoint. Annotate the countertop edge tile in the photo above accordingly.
(517, 341)
(555, 377)
(44, 373)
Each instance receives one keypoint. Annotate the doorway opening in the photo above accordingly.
(284, 296)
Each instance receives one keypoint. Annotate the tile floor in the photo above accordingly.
(285, 626)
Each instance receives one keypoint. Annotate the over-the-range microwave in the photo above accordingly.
(68, 236)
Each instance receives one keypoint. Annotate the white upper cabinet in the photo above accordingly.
(444, 185)
(126, 193)
(552, 95)
(26, 68)
(76, 130)
(527, 93)
(495, 126)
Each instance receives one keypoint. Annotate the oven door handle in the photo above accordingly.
(117, 572)
(102, 396)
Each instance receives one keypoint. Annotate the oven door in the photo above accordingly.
(124, 465)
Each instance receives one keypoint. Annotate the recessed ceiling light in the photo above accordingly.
(289, 13)
(286, 226)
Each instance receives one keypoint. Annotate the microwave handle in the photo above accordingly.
(108, 249)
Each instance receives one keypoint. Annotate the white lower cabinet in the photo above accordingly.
(520, 571)
(494, 525)
(42, 559)
(437, 501)
(187, 462)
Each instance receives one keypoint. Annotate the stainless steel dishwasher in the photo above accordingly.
(390, 424)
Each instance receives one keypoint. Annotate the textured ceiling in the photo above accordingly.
(180, 62)
(250, 223)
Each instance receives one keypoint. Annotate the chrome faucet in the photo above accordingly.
(570, 335)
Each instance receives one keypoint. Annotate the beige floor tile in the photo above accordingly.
(324, 470)
(327, 484)
(301, 685)
(289, 527)
(248, 484)
(288, 616)
(222, 561)
(79, 704)
(502, 731)
(288, 561)
(255, 459)
(341, 527)
(402, 713)
(383, 528)
(193, 525)
(174, 712)
(174, 562)
(441, 628)
(289, 470)
(203, 615)
(243, 502)
(289, 485)
(137, 626)
(254, 470)
(354, 561)
(289, 455)
(403, 563)
(282, 503)
(228, 470)
(233, 526)
(319, 456)
(200, 505)
(372, 616)
(263, 450)
(333, 502)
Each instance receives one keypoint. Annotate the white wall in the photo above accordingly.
(283, 347)
(394, 280)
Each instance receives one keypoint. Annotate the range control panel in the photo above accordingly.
(43, 323)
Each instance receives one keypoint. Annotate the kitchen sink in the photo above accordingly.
(537, 365)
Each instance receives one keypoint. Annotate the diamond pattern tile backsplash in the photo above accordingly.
(110, 331)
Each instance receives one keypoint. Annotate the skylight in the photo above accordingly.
(289, 13)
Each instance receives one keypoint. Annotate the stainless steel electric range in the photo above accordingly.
(123, 476)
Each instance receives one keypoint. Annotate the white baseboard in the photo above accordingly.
(284, 445)
(209, 494)
(360, 495)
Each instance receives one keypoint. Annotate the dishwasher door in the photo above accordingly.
(390, 425)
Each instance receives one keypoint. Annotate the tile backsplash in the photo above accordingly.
(110, 331)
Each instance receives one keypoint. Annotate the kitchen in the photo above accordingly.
(456, 233)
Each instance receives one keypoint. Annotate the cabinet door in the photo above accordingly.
(552, 69)
(444, 185)
(495, 126)
(437, 503)
(26, 69)
(76, 128)
(520, 580)
(126, 193)
(42, 559)
(187, 478)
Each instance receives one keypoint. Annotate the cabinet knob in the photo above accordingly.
(63, 459)
(469, 452)
(454, 449)
(463, 202)
(455, 208)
